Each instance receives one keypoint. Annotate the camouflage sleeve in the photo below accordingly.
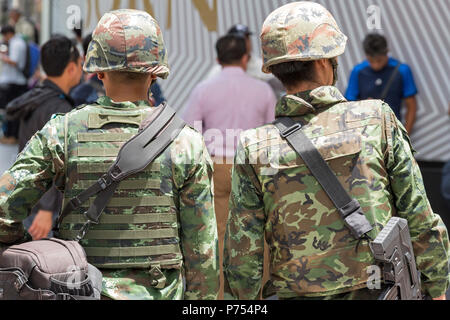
(29, 178)
(428, 232)
(244, 238)
(199, 240)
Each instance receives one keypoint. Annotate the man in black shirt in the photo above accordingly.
(62, 64)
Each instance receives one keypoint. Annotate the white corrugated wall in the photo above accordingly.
(417, 31)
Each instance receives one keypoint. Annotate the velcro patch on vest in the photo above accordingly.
(84, 168)
(105, 137)
(97, 121)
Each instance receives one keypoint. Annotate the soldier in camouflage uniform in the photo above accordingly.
(312, 253)
(157, 238)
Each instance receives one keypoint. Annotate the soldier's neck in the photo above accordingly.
(304, 86)
(124, 93)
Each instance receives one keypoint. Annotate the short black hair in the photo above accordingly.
(294, 72)
(375, 45)
(8, 29)
(231, 48)
(56, 54)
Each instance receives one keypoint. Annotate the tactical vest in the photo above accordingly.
(139, 228)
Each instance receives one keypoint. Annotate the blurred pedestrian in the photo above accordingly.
(23, 25)
(254, 65)
(62, 64)
(383, 77)
(13, 82)
(226, 104)
(78, 40)
(157, 96)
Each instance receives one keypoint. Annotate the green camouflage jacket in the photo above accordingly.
(274, 195)
(186, 176)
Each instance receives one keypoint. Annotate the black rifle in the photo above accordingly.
(393, 250)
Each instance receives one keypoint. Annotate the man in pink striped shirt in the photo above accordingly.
(221, 108)
(231, 101)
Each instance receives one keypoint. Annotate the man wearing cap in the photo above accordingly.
(157, 238)
(254, 64)
(314, 255)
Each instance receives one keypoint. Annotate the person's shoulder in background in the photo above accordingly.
(409, 84)
(361, 66)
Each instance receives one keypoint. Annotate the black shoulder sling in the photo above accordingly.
(349, 208)
(133, 158)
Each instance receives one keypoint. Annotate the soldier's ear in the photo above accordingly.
(100, 75)
(153, 78)
(322, 63)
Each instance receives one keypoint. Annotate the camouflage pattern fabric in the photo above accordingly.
(274, 194)
(141, 215)
(127, 40)
(186, 175)
(300, 31)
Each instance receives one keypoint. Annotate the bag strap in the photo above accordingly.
(390, 83)
(349, 209)
(136, 155)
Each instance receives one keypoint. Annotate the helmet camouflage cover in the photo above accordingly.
(127, 40)
(300, 31)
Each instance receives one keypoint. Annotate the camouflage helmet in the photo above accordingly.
(300, 31)
(127, 40)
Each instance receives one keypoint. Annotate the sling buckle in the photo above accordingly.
(290, 131)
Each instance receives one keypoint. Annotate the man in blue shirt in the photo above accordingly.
(383, 77)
